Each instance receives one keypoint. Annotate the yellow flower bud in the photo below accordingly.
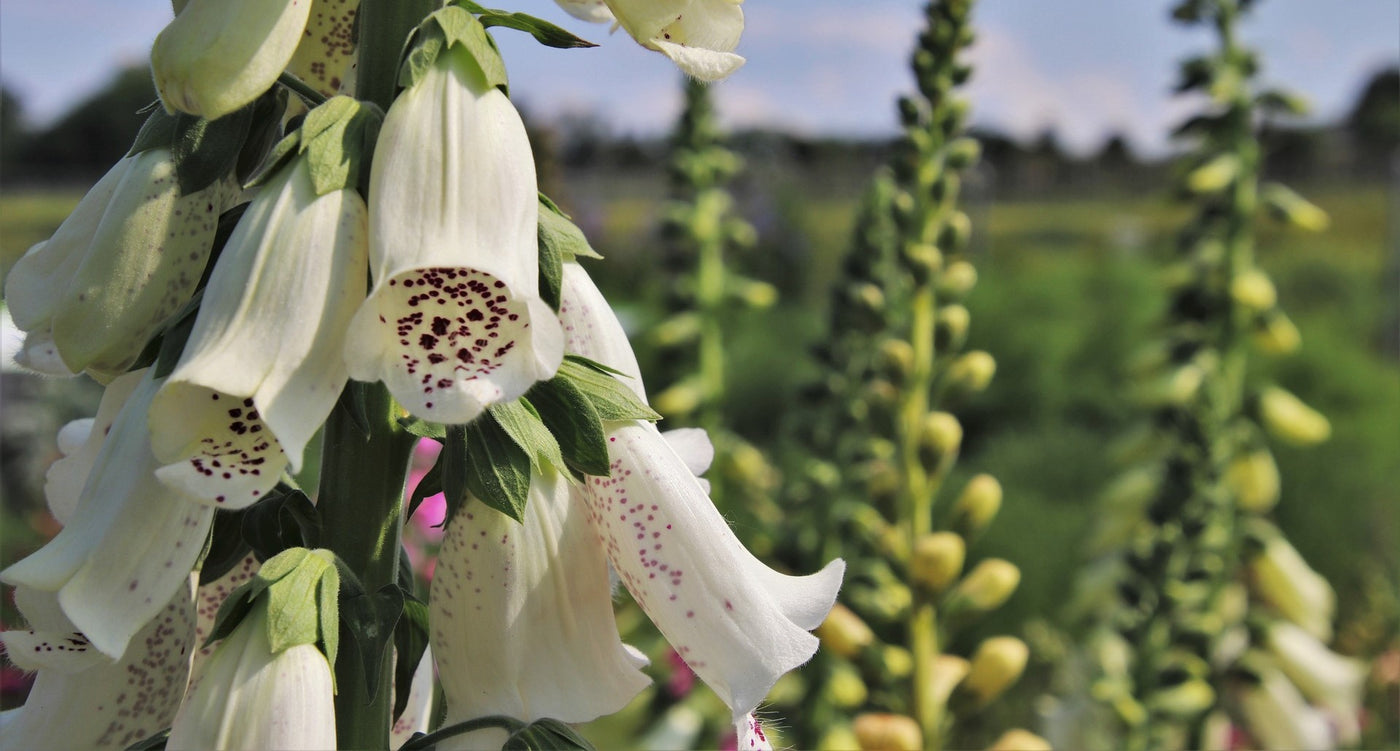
(839, 738)
(845, 687)
(957, 279)
(1175, 387)
(1254, 290)
(1019, 740)
(948, 671)
(1255, 481)
(896, 360)
(937, 560)
(997, 664)
(1184, 700)
(972, 372)
(680, 399)
(989, 585)
(977, 505)
(956, 232)
(963, 153)
(682, 328)
(950, 327)
(887, 732)
(939, 439)
(1288, 419)
(1293, 208)
(1215, 175)
(896, 661)
(844, 633)
(1275, 334)
(1281, 578)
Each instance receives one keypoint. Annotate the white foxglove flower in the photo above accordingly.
(1279, 719)
(749, 735)
(522, 616)
(217, 56)
(131, 541)
(325, 59)
(698, 35)
(210, 598)
(1327, 679)
(455, 322)
(262, 367)
(417, 715)
(247, 697)
(1282, 578)
(126, 259)
(737, 623)
(103, 704)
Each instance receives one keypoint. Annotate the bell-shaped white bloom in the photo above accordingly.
(210, 598)
(247, 697)
(102, 704)
(126, 259)
(325, 59)
(1282, 578)
(455, 322)
(417, 715)
(217, 56)
(737, 623)
(1326, 678)
(698, 35)
(749, 735)
(594, 11)
(131, 541)
(262, 367)
(1278, 718)
(522, 617)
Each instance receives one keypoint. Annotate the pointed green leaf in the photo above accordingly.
(543, 31)
(429, 486)
(205, 151)
(609, 396)
(423, 428)
(493, 468)
(293, 607)
(575, 424)
(461, 29)
(158, 132)
(556, 231)
(410, 641)
(334, 138)
(546, 735)
(369, 620)
(522, 423)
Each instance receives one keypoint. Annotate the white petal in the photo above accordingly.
(114, 704)
(417, 716)
(522, 619)
(60, 651)
(593, 11)
(262, 367)
(39, 354)
(454, 321)
(326, 57)
(750, 735)
(81, 441)
(693, 446)
(698, 35)
(699, 63)
(1278, 718)
(739, 625)
(591, 328)
(131, 543)
(210, 598)
(1325, 677)
(1284, 580)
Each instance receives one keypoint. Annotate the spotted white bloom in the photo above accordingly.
(698, 35)
(248, 697)
(126, 259)
(83, 699)
(325, 59)
(129, 541)
(1327, 679)
(417, 715)
(262, 368)
(455, 322)
(217, 56)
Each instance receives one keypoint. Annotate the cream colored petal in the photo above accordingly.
(325, 58)
(417, 716)
(593, 11)
(591, 328)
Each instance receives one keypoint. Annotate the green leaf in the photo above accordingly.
(461, 29)
(336, 138)
(551, 277)
(595, 365)
(236, 606)
(429, 486)
(227, 548)
(263, 133)
(285, 518)
(522, 423)
(612, 399)
(158, 132)
(422, 50)
(575, 424)
(370, 621)
(172, 344)
(543, 31)
(423, 428)
(205, 151)
(566, 239)
(294, 601)
(546, 735)
(352, 400)
(410, 641)
(482, 459)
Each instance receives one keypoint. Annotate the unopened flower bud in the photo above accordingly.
(972, 372)
(679, 329)
(976, 506)
(1215, 175)
(1288, 419)
(680, 399)
(950, 327)
(844, 633)
(1254, 478)
(1254, 290)
(1281, 578)
(958, 279)
(1290, 207)
(753, 293)
(896, 661)
(1184, 700)
(1019, 740)
(839, 738)
(887, 732)
(955, 233)
(1176, 387)
(845, 688)
(963, 153)
(923, 260)
(937, 560)
(939, 438)
(867, 297)
(1275, 334)
(997, 664)
(989, 585)
(896, 360)
(948, 671)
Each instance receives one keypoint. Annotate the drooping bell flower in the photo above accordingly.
(698, 35)
(130, 541)
(125, 261)
(217, 56)
(248, 697)
(325, 59)
(1327, 679)
(1276, 715)
(455, 322)
(1281, 578)
(262, 367)
(84, 699)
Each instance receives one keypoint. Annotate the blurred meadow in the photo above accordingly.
(1069, 250)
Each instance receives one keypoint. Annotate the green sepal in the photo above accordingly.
(543, 31)
(370, 621)
(353, 401)
(482, 460)
(598, 382)
(558, 229)
(262, 133)
(423, 428)
(300, 586)
(226, 546)
(430, 485)
(204, 151)
(546, 735)
(282, 153)
(523, 424)
(285, 518)
(575, 424)
(410, 641)
(337, 138)
(158, 132)
(439, 33)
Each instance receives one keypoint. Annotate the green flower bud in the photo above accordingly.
(990, 584)
(682, 328)
(753, 293)
(896, 360)
(1254, 290)
(972, 372)
(839, 738)
(1275, 334)
(1177, 387)
(845, 688)
(950, 327)
(977, 505)
(1282, 578)
(997, 664)
(923, 260)
(1019, 740)
(939, 438)
(896, 661)
(948, 671)
(887, 732)
(1288, 419)
(963, 153)
(1215, 175)
(1292, 208)
(1183, 701)
(937, 560)
(955, 233)
(680, 399)
(844, 633)
(958, 279)
(1254, 479)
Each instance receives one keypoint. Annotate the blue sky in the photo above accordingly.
(1085, 67)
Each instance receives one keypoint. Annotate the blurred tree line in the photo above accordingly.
(83, 143)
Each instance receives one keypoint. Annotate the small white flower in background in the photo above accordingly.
(217, 56)
(1277, 716)
(126, 259)
(95, 702)
(1281, 578)
(455, 322)
(698, 35)
(262, 367)
(247, 697)
(1327, 679)
(128, 541)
